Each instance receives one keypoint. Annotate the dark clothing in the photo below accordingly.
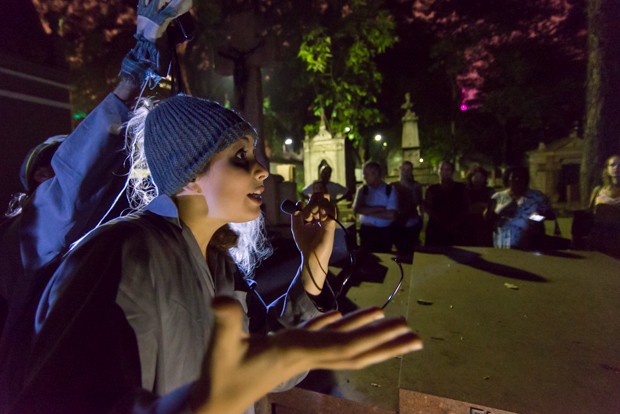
(127, 319)
(446, 207)
(89, 174)
(477, 230)
(376, 239)
(408, 223)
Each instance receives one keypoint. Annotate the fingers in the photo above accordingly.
(400, 345)
(321, 321)
(357, 319)
(377, 341)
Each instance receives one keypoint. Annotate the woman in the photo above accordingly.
(605, 206)
(609, 193)
(127, 317)
(518, 212)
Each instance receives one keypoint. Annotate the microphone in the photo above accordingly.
(289, 207)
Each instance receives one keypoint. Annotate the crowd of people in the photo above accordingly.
(473, 213)
(469, 213)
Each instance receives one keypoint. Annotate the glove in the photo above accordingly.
(145, 62)
(153, 20)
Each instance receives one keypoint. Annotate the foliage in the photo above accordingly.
(517, 66)
(339, 51)
(94, 36)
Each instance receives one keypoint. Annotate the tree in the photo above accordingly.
(602, 99)
(498, 53)
(339, 52)
(94, 36)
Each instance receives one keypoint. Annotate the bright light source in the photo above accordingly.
(421, 160)
(378, 137)
(384, 144)
(288, 141)
(347, 129)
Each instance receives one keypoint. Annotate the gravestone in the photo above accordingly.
(410, 136)
(325, 148)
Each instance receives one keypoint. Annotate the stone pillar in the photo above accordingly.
(410, 137)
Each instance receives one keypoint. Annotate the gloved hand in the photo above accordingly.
(146, 61)
(154, 16)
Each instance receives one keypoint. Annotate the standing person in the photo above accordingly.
(127, 316)
(336, 191)
(519, 212)
(477, 231)
(70, 184)
(377, 205)
(408, 223)
(446, 205)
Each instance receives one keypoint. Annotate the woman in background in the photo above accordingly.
(605, 206)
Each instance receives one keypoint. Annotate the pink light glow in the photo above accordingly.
(464, 107)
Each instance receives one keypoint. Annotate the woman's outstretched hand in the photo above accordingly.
(239, 369)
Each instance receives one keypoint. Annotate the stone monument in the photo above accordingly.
(324, 148)
(410, 137)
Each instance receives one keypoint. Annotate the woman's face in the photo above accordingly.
(233, 184)
(613, 167)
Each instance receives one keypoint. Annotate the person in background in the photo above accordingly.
(377, 205)
(126, 320)
(446, 205)
(518, 213)
(605, 208)
(70, 184)
(608, 194)
(336, 191)
(408, 223)
(477, 231)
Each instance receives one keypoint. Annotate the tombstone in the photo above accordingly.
(554, 168)
(410, 136)
(324, 148)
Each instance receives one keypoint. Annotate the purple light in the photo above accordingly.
(464, 107)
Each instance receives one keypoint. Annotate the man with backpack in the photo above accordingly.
(377, 205)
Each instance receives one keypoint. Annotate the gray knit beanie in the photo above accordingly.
(182, 133)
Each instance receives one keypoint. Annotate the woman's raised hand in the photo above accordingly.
(313, 228)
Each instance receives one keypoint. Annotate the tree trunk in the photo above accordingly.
(602, 124)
